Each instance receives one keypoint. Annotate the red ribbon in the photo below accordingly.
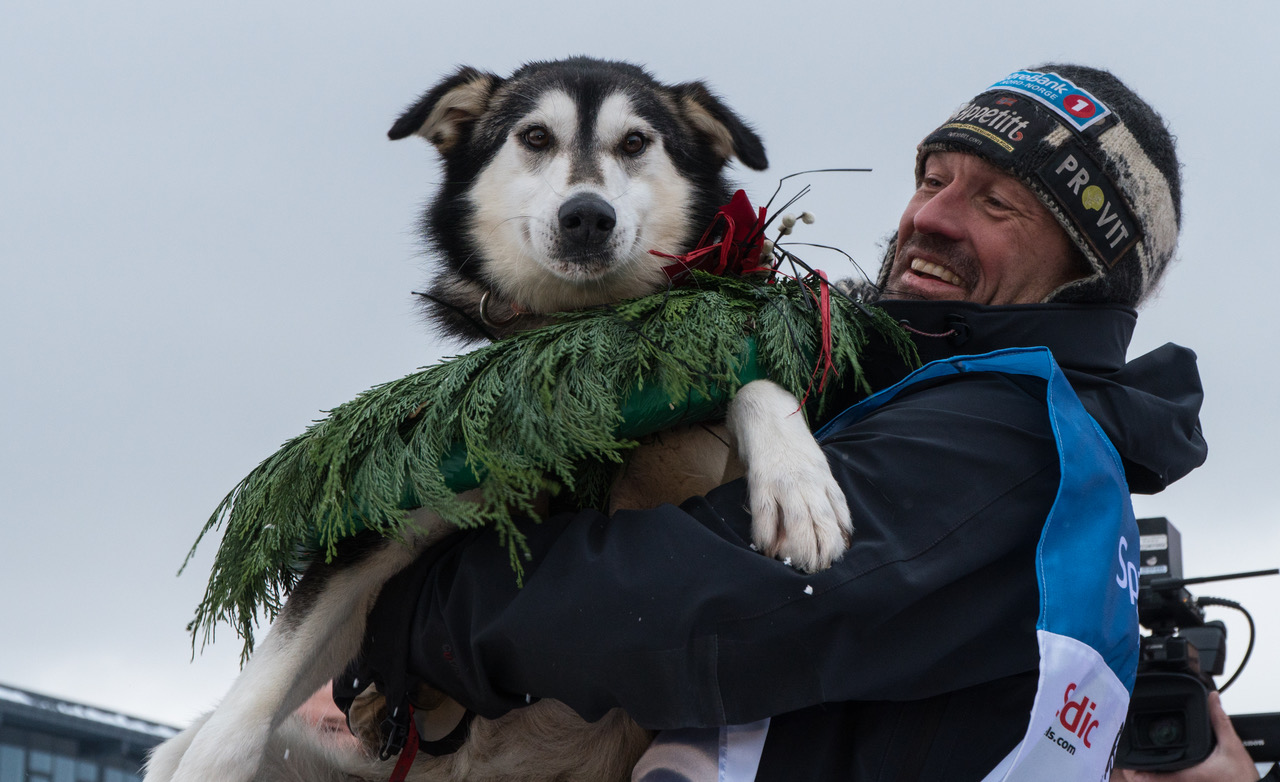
(732, 244)
(740, 232)
(826, 361)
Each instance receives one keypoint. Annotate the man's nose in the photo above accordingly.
(944, 214)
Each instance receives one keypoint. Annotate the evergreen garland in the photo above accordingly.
(551, 409)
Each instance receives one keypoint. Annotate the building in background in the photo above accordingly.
(44, 739)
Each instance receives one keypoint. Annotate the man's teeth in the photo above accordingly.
(934, 270)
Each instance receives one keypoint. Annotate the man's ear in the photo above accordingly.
(729, 135)
(441, 115)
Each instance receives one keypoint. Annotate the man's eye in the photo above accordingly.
(1000, 202)
(536, 137)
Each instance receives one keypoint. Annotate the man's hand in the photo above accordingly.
(1229, 761)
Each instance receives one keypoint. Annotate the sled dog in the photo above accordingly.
(558, 181)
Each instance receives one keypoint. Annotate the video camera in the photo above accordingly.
(1168, 726)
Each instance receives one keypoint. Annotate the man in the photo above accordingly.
(982, 623)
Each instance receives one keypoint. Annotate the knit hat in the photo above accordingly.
(1095, 154)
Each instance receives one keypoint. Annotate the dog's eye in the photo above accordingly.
(634, 144)
(536, 137)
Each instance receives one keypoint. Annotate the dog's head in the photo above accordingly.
(560, 179)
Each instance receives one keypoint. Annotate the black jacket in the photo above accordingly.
(915, 654)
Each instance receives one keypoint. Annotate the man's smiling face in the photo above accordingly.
(974, 233)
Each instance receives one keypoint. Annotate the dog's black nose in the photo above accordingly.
(586, 220)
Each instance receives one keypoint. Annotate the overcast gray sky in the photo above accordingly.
(207, 239)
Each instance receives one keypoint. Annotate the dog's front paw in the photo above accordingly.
(799, 513)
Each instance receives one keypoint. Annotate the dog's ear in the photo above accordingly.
(729, 135)
(440, 115)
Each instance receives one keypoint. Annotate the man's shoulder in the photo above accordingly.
(981, 395)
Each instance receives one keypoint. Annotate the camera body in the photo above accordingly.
(1168, 726)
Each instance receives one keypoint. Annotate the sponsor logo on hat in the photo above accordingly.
(989, 125)
(1077, 106)
(1002, 123)
(1092, 202)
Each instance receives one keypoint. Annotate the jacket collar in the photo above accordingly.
(1149, 407)
(1087, 337)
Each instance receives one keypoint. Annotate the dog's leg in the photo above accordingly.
(294, 753)
(162, 760)
(318, 631)
(672, 466)
(798, 510)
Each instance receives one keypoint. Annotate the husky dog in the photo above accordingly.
(559, 180)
